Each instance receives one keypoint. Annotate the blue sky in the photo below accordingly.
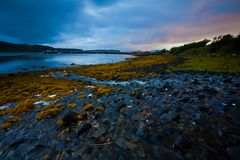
(116, 24)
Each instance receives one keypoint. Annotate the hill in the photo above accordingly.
(12, 47)
(221, 45)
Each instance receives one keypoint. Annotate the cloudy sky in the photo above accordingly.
(116, 24)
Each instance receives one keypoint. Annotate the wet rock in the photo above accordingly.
(121, 143)
(197, 82)
(139, 116)
(141, 153)
(141, 132)
(99, 132)
(185, 98)
(210, 90)
(204, 108)
(130, 145)
(138, 96)
(70, 118)
(170, 116)
(234, 152)
(183, 142)
(228, 80)
(84, 128)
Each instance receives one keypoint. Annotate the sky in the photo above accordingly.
(127, 25)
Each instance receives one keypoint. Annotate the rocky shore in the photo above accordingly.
(170, 116)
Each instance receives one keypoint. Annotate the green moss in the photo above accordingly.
(209, 63)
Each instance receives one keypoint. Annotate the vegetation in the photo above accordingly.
(10, 47)
(123, 70)
(100, 108)
(226, 45)
(88, 107)
(222, 45)
(25, 94)
(10, 122)
(209, 63)
(194, 45)
(72, 105)
(222, 55)
(48, 113)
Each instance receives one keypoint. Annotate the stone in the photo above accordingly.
(139, 116)
(84, 128)
(228, 80)
(170, 116)
(99, 132)
(183, 142)
(70, 118)
(185, 98)
(141, 153)
(210, 90)
(121, 143)
(130, 145)
(234, 152)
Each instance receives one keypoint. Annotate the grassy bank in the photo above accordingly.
(228, 64)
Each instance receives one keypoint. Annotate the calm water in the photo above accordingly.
(18, 62)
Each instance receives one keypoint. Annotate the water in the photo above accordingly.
(19, 62)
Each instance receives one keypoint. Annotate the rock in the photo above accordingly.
(204, 108)
(138, 96)
(121, 143)
(211, 91)
(99, 132)
(84, 128)
(141, 153)
(170, 116)
(195, 81)
(228, 80)
(139, 116)
(234, 152)
(70, 118)
(141, 132)
(72, 64)
(183, 142)
(185, 98)
(130, 145)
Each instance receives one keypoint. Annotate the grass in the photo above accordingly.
(227, 64)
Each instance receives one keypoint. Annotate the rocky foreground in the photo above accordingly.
(172, 116)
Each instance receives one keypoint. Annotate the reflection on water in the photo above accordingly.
(10, 62)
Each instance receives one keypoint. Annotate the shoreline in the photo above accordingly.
(171, 115)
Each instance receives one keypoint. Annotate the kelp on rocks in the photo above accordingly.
(123, 70)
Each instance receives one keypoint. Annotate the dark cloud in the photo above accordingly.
(36, 21)
(123, 24)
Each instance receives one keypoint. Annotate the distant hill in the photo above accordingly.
(12, 47)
